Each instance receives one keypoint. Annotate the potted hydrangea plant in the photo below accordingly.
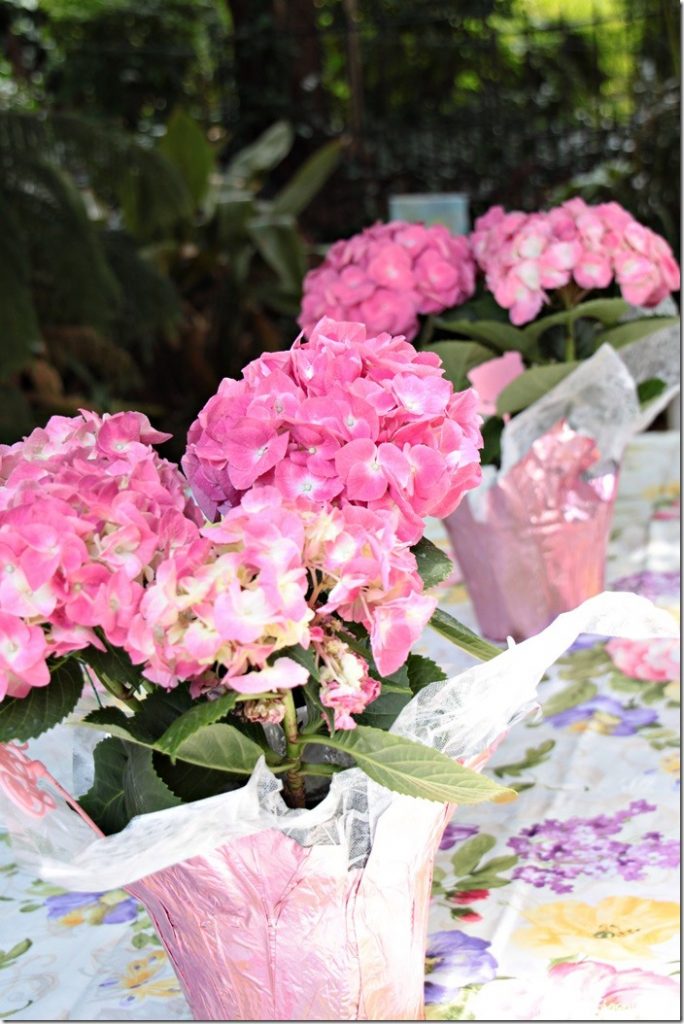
(536, 303)
(566, 370)
(277, 767)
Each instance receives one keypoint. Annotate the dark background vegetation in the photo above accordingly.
(169, 168)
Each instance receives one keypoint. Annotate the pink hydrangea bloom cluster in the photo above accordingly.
(387, 275)
(342, 418)
(524, 255)
(97, 532)
(86, 506)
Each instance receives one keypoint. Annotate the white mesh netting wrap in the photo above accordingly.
(461, 717)
(600, 399)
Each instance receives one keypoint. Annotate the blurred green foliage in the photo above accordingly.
(138, 276)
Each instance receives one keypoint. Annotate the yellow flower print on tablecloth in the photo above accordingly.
(616, 928)
(139, 979)
(673, 691)
(671, 763)
(667, 491)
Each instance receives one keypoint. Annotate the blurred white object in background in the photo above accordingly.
(448, 208)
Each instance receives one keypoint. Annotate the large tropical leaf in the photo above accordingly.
(308, 180)
(185, 146)
(272, 146)
(279, 244)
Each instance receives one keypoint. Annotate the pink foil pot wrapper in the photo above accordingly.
(540, 549)
(263, 928)
(266, 929)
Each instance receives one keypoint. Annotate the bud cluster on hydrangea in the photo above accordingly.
(342, 418)
(388, 275)
(346, 685)
(524, 255)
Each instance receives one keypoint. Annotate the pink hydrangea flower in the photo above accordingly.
(86, 513)
(340, 418)
(656, 661)
(387, 276)
(524, 256)
(98, 538)
(23, 653)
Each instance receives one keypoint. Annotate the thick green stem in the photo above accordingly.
(570, 343)
(295, 794)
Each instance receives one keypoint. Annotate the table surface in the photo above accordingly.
(560, 905)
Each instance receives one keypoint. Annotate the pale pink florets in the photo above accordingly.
(22, 657)
(524, 256)
(388, 275)
(370, 577)
(340, 418)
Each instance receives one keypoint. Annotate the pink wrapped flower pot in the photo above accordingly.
(535, 543)
(265, 929)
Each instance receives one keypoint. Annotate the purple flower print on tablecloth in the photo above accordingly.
(454, 959)
(605, 715)
(650, 584)
(74, 908)
(457, 834)
(586, 640)
(552, 854)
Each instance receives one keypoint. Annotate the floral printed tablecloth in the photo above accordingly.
(560, 905)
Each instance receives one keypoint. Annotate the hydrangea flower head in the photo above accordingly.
(87, 509)
(524, 256)
(342, 418)
(388, 275)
